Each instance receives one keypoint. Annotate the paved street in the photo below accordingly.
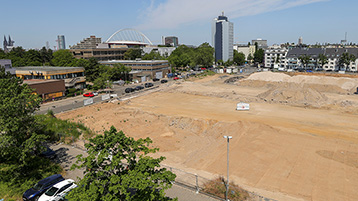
(66, 156)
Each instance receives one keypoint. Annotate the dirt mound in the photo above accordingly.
(294, 94)
(341, 85)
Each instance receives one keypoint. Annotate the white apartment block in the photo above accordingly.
(275, 57)
(289, 59)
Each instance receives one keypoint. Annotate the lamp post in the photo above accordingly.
(227, 182)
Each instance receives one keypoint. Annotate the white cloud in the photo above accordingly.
(173, 13)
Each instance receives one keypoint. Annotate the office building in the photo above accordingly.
(74, 77)
(6, 63)
(143, 70)
(87, 43)
(222, 31)
(172, 41)
(61, 45)
(261, 44)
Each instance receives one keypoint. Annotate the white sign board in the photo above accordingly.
(88, 101)
(114, 95)
(105, 97)
(243, 106)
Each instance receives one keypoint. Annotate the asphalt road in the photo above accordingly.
(66, 156)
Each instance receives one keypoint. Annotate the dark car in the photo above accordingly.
(147, 85)
(155, 79)
(137, 88)
(128, 90)
(163, 81)
(40, 187)
(49, 153)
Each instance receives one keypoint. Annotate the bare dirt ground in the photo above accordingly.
(299, 141)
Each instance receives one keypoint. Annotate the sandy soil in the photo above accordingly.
(299, 141)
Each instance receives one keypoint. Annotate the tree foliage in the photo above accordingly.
(133, 53)
(239, 58)
(305, 60)
(322, 60)
(153, 55)
(204, 55)
(259, 56)
(118, 168)
(63, 58)
(20, 138)
(346, 59)
(184, 56)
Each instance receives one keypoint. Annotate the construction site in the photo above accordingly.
(298, 140)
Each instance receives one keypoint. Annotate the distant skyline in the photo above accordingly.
(31, 23)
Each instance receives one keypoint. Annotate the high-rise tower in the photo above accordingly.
(223, 38)
(61, 45)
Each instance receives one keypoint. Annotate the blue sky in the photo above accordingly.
(32, 23)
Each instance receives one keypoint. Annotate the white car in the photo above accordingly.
(58, 191)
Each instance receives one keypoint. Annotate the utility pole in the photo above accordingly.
(227, 182)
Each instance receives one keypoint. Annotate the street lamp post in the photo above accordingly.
(227, 182)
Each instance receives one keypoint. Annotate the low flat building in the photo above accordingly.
(6, 63)
(47, 89)
(73, 76)
(143, 70)
(101, 54)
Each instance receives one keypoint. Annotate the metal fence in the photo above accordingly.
(198, 184)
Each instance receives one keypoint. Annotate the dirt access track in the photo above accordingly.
(299, 141)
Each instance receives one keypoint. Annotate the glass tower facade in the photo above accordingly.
(222, 31)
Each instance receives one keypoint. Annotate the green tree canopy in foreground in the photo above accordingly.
(118, 168)
(20, 140)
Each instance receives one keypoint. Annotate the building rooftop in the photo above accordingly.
(47, 68)
(134, 61)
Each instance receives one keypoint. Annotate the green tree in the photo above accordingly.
(182, 56)
(305, 60)
(259, 56)
(20, 139)
(204, 55)
(322, 60)
(239, 58)
(32, 58)
(250, 58)
(345, 60)
(117, 164)
(63, 58)
(133, 53)
(153, 55)
(46, 56)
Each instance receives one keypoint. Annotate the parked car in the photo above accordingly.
(90, 94)
(58, 191)
(95, 93)
(129, 90)
(40, 187)
(137, 88)
(163, 81)
(176, 78)
(49, 153)
(155, 79)
(147, 85)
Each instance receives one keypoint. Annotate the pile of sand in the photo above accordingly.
(294, 94)
(332, 84)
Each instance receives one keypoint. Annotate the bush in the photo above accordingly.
(217, 187)
(57, 128)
